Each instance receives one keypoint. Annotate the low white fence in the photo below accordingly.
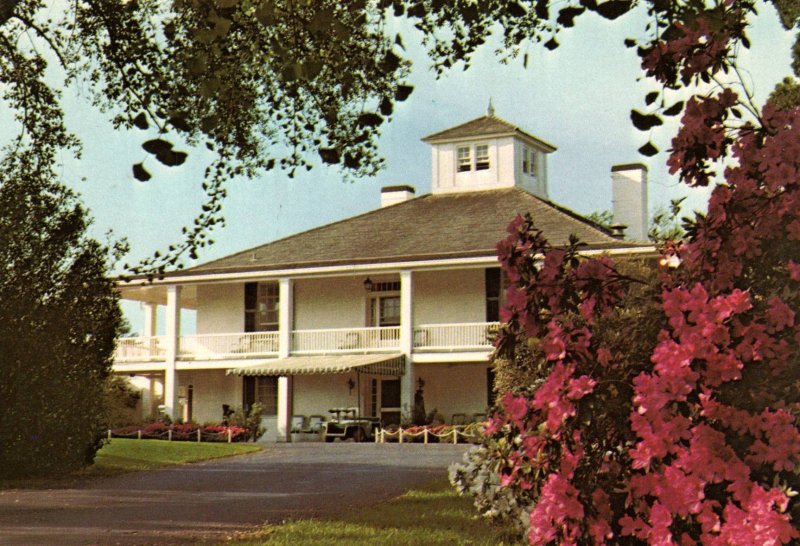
(448, 434)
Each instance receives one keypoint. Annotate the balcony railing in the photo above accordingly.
(476, 336)
(218, 346)
(346, 340)
(427, 338)
(141, 349)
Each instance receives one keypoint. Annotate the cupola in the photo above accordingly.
(488, 153)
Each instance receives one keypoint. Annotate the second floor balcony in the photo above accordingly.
(427, 338)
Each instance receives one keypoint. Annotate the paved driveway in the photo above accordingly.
(212, 500)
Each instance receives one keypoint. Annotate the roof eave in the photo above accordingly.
(546, 146)
(475, 259)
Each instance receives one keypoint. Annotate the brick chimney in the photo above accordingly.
(392, 195)
(629, 199)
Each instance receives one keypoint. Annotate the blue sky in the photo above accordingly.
(577, 97)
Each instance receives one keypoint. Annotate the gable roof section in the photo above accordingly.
(485, 126)
(456, 225)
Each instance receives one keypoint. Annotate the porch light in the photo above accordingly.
(368, 285)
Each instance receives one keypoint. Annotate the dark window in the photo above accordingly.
(373, 403)
(263, 390)
(390, 393)
(390, 402)
(261, 304)
(493, 294)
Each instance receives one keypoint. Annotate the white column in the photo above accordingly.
(150, 319)
(173, 332)
(285, 317)
(151, 326)
(407, 340)
(285, 324)
(283, 434)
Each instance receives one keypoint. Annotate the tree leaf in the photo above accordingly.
(542, 9)
(329, 155)
(140, 121)
(551, 44)
(516, 10)
(402, 92)
(352, 161)
(370, 119)
(140, 173)
(386, 106)
(391, 62)
(630, 42)
(171, 158)
(672, 33)
(566, 17)
(180, 123)
(208, 123)
(157, 146)
(674, 110)
(613, 9)
(648, 150)
(645, 122)
(651, 97)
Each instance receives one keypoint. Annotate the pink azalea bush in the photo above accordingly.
(696, 442)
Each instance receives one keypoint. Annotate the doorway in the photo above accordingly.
(385, 401)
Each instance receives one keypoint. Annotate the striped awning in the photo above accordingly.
(384, 364)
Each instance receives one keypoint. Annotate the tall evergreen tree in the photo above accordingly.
(59, 317)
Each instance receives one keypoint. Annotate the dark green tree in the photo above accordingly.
(59, 317)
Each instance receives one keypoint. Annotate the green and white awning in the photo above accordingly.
(383, 364)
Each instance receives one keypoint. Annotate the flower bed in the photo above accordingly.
(182, 432)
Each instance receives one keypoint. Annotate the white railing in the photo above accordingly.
(476, 336)
(346, 340)
(141, 349)
(216, 346)
(427, 337)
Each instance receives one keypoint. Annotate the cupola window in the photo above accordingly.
(464, 159)
(481, 157)
(528, 161)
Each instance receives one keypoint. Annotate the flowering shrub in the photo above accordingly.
(696, 441)
(477, 476)
(185, 431)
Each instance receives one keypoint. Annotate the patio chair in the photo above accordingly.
(298, 422)
(352, 340)
(459, 419)
(315, 424)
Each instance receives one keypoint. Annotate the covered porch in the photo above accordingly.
(313, 385)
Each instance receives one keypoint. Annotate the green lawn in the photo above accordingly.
(125, 455)
(434, 515)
